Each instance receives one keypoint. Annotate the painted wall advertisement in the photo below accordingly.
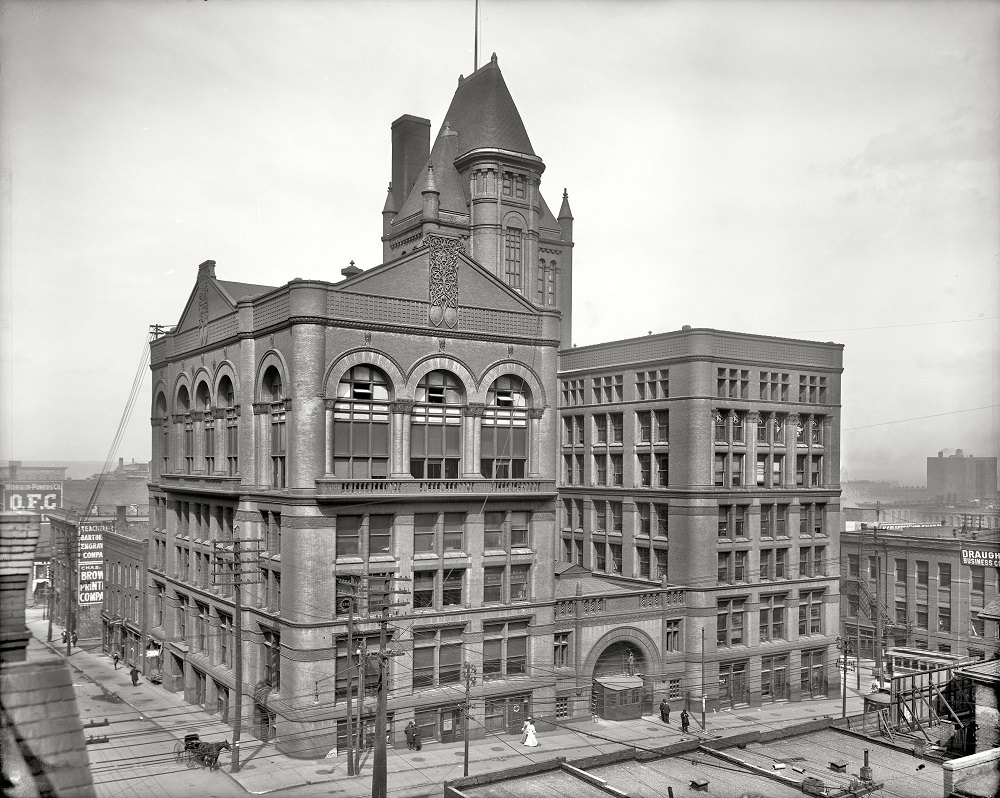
(33, 497)
(987, 557)
(91, 560)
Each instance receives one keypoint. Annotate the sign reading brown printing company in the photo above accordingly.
(987, 557)
(91, 560)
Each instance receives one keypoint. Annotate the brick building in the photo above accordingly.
(44, 751)
(397, 424)
(414, 421)
(123, 612)
(960, 478)
(709, 461)
(929, 583)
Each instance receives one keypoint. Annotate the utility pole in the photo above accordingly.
(862, 574)
(350, 653)
(379, 781)
(704, 684)
(470, 679)
(241, 562)
(70, 587)
(846, 649)
(878, 594)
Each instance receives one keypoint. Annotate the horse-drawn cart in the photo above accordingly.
(194, 752)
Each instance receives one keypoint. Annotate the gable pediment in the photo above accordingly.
(428, 274)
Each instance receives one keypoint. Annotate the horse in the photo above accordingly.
(208, 753)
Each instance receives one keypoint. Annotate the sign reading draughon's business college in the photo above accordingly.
(91, 560)
(989, 557)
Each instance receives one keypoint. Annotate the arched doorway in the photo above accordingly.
(621, 659)
(620, 689)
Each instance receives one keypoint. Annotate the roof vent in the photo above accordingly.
(350, 271)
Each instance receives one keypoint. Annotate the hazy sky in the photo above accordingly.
(824, 170)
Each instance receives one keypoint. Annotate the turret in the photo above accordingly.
(566, 218)
(432, 204)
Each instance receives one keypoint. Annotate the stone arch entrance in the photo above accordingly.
(623, 659)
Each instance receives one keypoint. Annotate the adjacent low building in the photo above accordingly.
(920, 586)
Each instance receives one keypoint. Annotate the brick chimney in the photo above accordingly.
(411, 147)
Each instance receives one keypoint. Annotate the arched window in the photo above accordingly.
(512, 257)
(164, 433)
(540, 285)
(504, 453)
(272, 391)
(361, 425)
(227, 400)
(187, 437)
(436, 427)
(203, 402)
(550, 284)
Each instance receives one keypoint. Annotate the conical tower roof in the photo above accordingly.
(484, 115)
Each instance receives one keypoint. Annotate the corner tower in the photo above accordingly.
(487, 178)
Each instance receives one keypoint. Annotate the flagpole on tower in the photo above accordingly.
(475, 49)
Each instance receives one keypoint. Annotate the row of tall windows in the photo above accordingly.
(730, 427)
(773, 610)
(438, 534)
(545, 291)
(732, 521)
(773, 386)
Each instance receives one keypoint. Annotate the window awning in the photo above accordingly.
(619, 682)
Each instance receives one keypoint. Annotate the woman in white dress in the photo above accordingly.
(528, 734)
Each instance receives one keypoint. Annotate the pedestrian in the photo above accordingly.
(685, 720)
(409, 732)
(665, 711)
(416, 737)
(116, 659)
(64, 635)
(528, 737)
(134, 673)
(74, 638)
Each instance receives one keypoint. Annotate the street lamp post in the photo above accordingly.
(846, 649)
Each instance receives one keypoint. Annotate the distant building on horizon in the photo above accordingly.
(960, 477)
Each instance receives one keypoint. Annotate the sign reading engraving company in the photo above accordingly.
(91, 560)
(35, 497)
(981, 557)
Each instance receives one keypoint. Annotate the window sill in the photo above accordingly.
(349, 560)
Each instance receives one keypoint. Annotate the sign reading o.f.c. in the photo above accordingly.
(32, 497)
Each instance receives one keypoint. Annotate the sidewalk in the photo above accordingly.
(421, 773)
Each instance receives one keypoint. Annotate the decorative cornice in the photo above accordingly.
(218, 412)
(473, 409)
(199, 415)
(262, 408)
(401, 406)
